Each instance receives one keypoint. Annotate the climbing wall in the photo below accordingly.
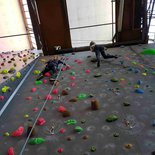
(89, 110)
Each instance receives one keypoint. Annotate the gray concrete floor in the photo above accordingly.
(111, 95)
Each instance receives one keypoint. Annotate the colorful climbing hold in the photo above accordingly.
(114, 80)
(72, 78)
(38, 82)
(70, 122)
(41, 121)
(36, 72)
(78, 129)
(60, 150)
(55, 91)
(18, 132)
(148, 52)
(93, 149)
(98, 75)
(82, 96)
(36, 141)
(11, 151)
(1, 98)
(33, 89)
(111, 118)
(6, 134)
(139, 91)
(48, 97)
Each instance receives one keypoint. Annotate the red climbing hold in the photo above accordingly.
(61, 109)
(18, 132)
(72, 77)
(1, 98)
(55, 91)
(60, 150)
(44, 81)
(41, 121)
(48, 97)
(47, 74)
(11, 151)
(33, 89)
(63, 69)
(62, 130)
(68, 67)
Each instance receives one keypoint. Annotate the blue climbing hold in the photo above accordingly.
(139, 82)
(140, 91)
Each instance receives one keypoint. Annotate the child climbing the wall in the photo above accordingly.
(52, 66)
(99, 50)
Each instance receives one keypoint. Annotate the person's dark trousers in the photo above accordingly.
(98, 58)
(107, 56)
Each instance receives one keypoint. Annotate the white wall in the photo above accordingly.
(11, 23)
(90, 12)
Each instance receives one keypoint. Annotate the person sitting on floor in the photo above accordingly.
(99, 50)
(52, 66)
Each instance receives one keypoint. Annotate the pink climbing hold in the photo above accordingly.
(1, 98)
(60, 150)
(72, 77)
(35, 109)
(79, 62)
(63, 69)
(44, 81)
(68, 67)
(33, 89)
(48, 97)
(47, 74)
(62, 130)
(29, 98)
(41, 121)
(55, 91)
(87, 71)
(11, 151)
(18, 132)
(73, 84)
(61, 109)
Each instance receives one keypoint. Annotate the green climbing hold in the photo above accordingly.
(111, 118)
(93, 149)
(5, 89)
(38, 82)
(36, 72)
(5, 71)
(114, 80)
(148, 52)
(34, 141)
(53, 101)
(82, 96)
(72, 73)
(71, 122)
(6, 134)
(153, 72)
(18, 75)
(12, 79)
(98, 75)
(78, 129)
